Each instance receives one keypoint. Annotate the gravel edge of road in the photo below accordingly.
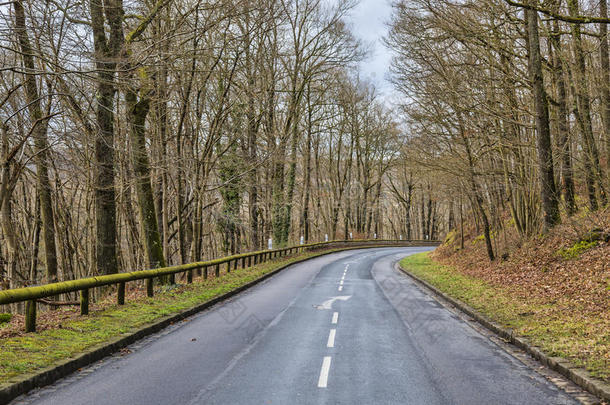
(66, 367)
(577, 375)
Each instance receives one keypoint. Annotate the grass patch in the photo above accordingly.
(34, 351)
(568, 332)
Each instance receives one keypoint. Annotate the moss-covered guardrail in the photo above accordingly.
(29, 295)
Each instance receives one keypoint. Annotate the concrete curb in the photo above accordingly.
(22, 384)
(578, 375)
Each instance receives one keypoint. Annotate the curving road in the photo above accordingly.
(339, 329)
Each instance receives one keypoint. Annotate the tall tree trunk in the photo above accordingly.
(605, 73)
(39, 125)
(548, 192)
(292, 171)
(408, 211)
(106, 54)
(137, 106)
(6, 217)
(563, 141)
(307, 170)
(137, 111)
(253, 175)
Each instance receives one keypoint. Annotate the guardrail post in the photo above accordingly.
(149, 287)
(189, 276)
(217, 270)
(235, 263)
(205, 272)
(172, 279)
(243, 262)
(120, 295)
(30, 316)
(229, 266)
(84, 302)
(249, 261)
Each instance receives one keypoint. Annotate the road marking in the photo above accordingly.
(323, 380)
(329, 303)
(340, 288)
(331, 338)
(341, 282)
(343, 278)
(335, 317)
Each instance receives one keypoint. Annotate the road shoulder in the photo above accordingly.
(562, 373)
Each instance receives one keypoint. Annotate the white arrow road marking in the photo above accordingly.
(328, 304)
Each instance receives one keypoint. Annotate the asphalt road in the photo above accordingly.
(346, 328)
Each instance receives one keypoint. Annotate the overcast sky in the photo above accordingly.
(368, 21)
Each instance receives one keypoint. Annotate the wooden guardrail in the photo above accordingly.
(30, 295)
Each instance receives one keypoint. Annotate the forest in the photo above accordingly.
(144, 133)
(509, 104)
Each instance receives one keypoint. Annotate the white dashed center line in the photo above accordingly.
(323, 380)
(335, 317)
(331, 338)
(340, 288)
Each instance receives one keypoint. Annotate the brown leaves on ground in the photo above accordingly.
(534, 269)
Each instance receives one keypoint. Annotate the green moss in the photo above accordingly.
(584, 340)
(575, 251)
(4, 318)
